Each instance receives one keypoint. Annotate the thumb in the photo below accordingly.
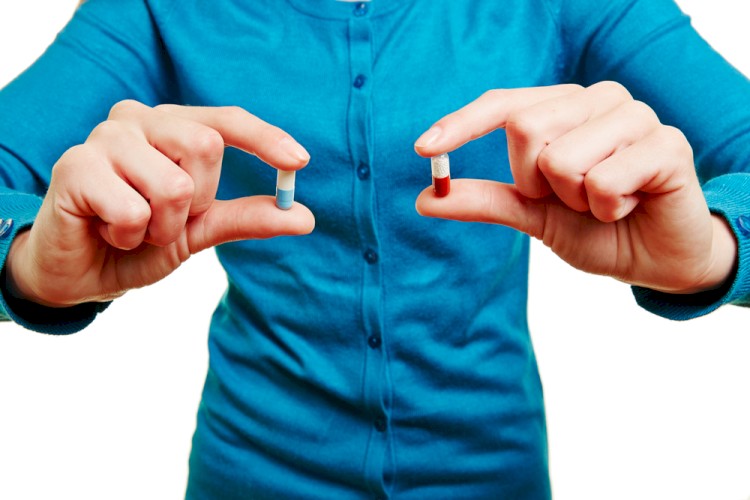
(473, 200)
(253, 217)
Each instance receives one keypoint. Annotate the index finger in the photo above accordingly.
(245, 131)
(484, 115)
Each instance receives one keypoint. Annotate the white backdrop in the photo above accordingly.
(638, 407)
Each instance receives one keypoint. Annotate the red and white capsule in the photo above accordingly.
(441, 175)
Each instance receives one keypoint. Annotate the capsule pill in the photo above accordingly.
(441, 175)
(285, 189)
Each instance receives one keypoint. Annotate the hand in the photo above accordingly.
(598, 179)
(133, 202)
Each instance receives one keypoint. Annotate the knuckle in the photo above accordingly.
(447, 121)
(235, 114)
(125, 108)
(75, 159)
(132, 215)
(521, 125)
(597, 185)
(672, 135)
(572, 87)
(553, 162)
(675, 140)
(207, 144)
(108, 131)
(77, 154)
(179, 189)
(165, 108)
(611, 88)
(493, 94)
(642, 111)
(272, 135)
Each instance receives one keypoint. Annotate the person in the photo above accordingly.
(382, 354)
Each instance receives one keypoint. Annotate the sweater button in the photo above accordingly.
(380, 424)
(371, 256)
(374, 341)
(5, 227)
(360, 9)
(363, 172)
(359, 81)
(743, 223)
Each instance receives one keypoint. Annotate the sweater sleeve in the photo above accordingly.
(651, 48)
(109, 51)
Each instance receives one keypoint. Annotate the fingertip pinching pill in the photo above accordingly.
(441, 175)
(285, 189)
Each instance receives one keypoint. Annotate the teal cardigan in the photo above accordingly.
(386, 354)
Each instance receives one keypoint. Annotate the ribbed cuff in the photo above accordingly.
(17, 213)
(729, 197)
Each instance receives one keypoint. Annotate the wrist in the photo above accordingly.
(723, 259)
(17, 283)
(14, 284)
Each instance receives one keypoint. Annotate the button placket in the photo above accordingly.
(359, 124)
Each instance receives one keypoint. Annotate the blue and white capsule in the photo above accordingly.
(285, 189)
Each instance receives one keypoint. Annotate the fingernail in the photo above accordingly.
(428, 137)
(294, 149)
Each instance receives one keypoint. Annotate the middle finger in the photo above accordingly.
(532, 129)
